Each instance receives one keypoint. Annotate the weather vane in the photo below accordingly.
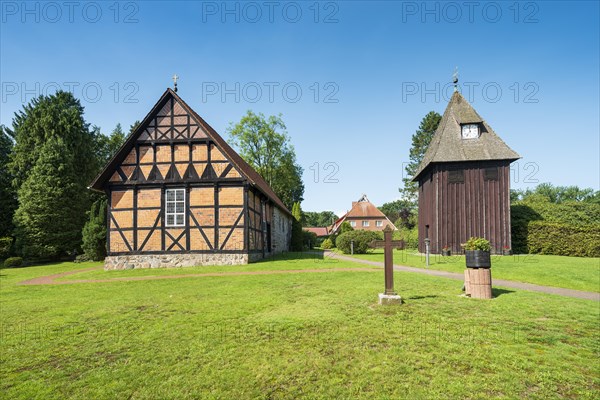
(175, 77)
(455, 79)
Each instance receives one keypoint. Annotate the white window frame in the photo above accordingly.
(353, 223)
(174, 213)
(379, 224)
(365, 224)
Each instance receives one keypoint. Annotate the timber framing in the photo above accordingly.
(227, 208)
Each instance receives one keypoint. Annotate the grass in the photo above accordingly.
(567, 272)
(289, 261)
(314, 335)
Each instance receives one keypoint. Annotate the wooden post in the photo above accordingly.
(388, 261)
(388, 246)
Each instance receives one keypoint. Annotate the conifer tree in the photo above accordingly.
(296, 244)
(420, 142)
(52, 163)
(50, 215)
(94, 232)
(8, 198)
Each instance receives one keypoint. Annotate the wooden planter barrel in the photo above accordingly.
(478, 259)
(478, 283)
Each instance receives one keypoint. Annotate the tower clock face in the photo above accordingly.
(470, 131)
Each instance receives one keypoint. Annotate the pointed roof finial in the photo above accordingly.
(455, 79)
(175, 77)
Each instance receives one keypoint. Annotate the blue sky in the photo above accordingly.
(367, 71)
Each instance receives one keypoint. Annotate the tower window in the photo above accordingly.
(456, 176)
(490, 174)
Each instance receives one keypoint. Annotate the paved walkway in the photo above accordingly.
(497, 282)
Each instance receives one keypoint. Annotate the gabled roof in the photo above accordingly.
(361, 209)
(319, 231)
(447, 144)
(248, 172)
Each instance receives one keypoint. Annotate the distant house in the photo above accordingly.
(319, 231)
(363, 216)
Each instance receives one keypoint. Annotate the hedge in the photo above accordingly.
(563, 240)
(569, 228)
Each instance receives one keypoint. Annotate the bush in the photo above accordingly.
(563, 240)
(410, 237)
(5, 244)
(82, 258)
(13, 262)
(327, 244)
(361, 241)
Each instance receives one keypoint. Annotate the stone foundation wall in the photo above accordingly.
(172, 260)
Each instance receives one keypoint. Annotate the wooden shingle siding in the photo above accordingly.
(457, 211)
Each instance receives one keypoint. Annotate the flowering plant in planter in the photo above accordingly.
(477, 252)
(446, 251)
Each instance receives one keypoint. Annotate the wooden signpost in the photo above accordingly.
(389, 296)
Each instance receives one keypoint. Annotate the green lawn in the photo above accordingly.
(314, 335)
(289, 261)
(567, 272)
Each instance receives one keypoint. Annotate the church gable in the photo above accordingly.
(172, 146)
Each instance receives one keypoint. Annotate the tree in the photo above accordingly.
(420, 142)
(265, 145)
(297, 237)
(94, 232)
(323, 218)
(105, 147)
(8, 198)
(51, 209)
(133, 127)
(52, 163)
(557, 194)
(46, 118)
(402, 212)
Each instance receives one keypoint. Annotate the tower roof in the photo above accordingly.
(447, 144)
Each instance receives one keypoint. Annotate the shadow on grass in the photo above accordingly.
(499, 292)
(431, 296)
(316, 255)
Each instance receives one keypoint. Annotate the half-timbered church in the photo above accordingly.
(179, 195)
(464, 182)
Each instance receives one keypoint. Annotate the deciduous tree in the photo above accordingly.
(265, 145)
